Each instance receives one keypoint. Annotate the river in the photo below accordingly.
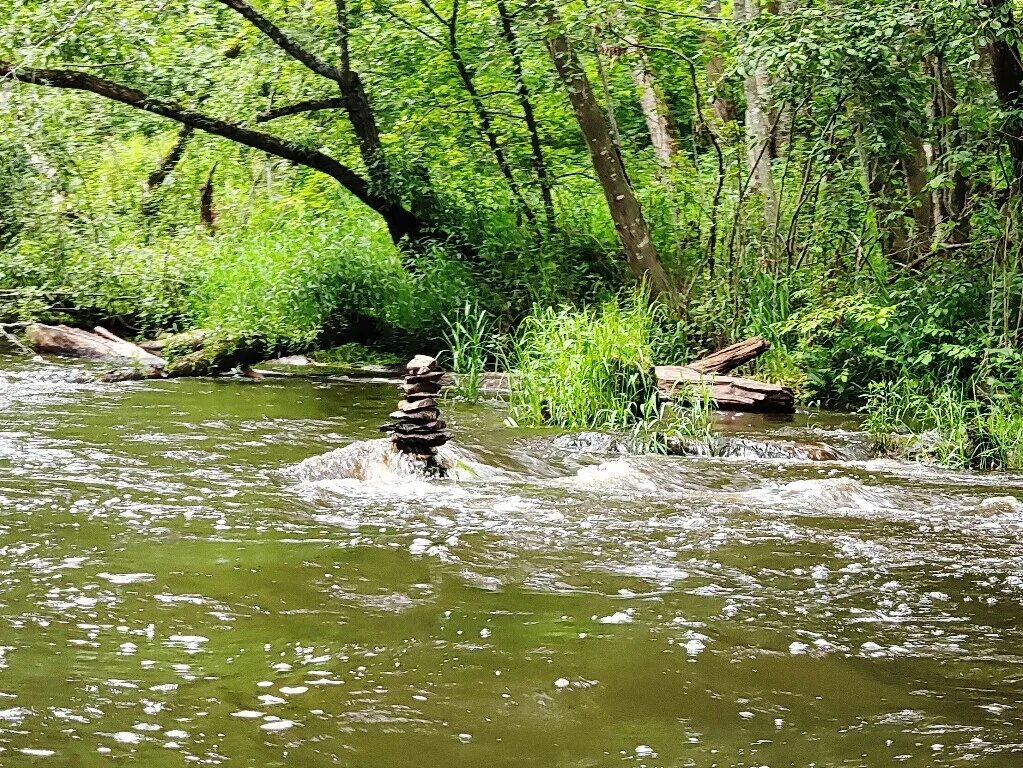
(173, 592)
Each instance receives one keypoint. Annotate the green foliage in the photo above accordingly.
(888, 249)
(354, 354)
(946, 425)
(690, 419)
(584, 368)
(289, 281)
(470, 340)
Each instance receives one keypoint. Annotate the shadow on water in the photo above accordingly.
(227, 572)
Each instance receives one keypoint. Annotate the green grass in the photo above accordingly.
(585, 368)
(470, 337)
(355, 354)
(946, 425)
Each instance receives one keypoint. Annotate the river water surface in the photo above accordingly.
(173, 591)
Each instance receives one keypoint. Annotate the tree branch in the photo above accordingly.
(285, 43)
(400, 222)
(170, 160)
(310, 105)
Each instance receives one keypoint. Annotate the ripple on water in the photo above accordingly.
(175, 592)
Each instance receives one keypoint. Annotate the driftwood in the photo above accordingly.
(209, 355)
(728, 393)
(191, 341)
(98, 345)
(730, 358)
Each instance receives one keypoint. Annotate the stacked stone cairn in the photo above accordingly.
(417, 430)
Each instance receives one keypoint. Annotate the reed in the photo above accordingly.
(470, 338)
(585, 368)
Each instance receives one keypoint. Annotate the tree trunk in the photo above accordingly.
(758, 125)
(948, 202)
(655, 111)
(363, 120)
(714, 70)
(915, 167)
(1007, 72)
(522, 91)
(632, 227)
(359, 110)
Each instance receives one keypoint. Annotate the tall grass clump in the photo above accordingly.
(585, 368)
(945, 424)
(469, 337)
(691, 423)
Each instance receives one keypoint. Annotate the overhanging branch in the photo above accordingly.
(400, 222)
(285, 43)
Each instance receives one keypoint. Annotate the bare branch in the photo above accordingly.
(310, 105)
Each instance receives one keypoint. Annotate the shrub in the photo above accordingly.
(584, 368)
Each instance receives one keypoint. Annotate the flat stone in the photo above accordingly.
(419, 453)
(421, 364)
(428, 428)
(435, 440)
(423, 404)
(421, 389)
(425, 378)
(418, 417)
(415, 398)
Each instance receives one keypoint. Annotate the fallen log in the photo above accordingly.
(220, 354)
(730, 358)
(216, 355)
(705, 377)
(190, 341)
(98, 345)
(211, 353)
(728, 393)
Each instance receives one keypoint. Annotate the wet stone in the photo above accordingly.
(431, 440)
(419, 417)
(415, 398)
(419, 405)
(435, 377)
(420, 429)
(427, 388)
(421, 364)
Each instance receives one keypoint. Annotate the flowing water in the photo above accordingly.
(177, 588)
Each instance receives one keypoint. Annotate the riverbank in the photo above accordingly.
(591, 368)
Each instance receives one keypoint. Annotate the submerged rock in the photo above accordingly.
(599, 443)
(371, 461)
(723, 446)
(742, 447)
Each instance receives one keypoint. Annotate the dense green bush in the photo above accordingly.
(584, 368)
